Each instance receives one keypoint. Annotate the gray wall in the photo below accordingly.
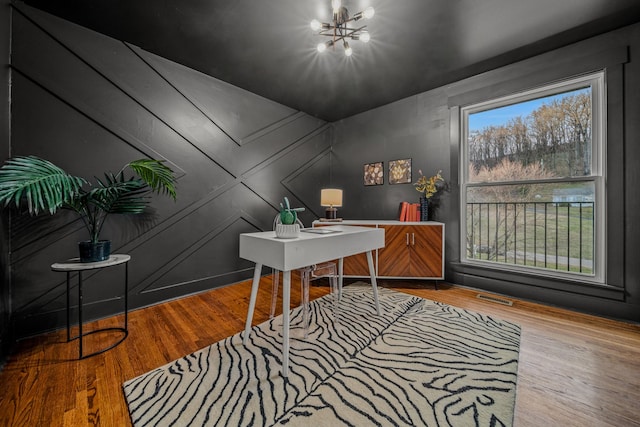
(424, 128)
(5, 295)
(89, 104)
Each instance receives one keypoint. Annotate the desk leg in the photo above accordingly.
(286, 296)
(340, 277)
(374, 284)
(80, 313)
(252, 301)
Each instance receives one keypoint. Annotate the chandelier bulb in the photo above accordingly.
(365, 37)
(335, 4)
(321, 47)
(316, 25)
(369, 12)
(347, 49)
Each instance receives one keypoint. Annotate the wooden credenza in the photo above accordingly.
(413, 250)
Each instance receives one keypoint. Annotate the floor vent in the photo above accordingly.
(497, 300)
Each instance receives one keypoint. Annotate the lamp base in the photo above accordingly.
(331, 213)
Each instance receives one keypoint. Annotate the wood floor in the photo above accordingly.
(574, 369)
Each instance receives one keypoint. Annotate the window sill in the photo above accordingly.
(540, 281)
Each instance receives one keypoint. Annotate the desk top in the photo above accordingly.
(309, 248)
(377, 222)
(74, 264)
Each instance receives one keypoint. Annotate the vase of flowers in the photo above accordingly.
(428, 187)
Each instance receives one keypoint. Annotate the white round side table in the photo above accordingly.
(74, 265)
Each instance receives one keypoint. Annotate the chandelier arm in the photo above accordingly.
(353, 18)
(351, 32)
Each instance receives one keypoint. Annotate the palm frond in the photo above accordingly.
(43, 185)
(119, 196)
(156, 175)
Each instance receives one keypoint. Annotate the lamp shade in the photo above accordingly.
(331, 197)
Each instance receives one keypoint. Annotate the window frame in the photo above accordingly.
(597, 82)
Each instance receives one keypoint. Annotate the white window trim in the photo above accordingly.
(597, 81)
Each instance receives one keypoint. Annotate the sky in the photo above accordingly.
(500, 116)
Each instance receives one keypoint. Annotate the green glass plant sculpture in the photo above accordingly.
(288, 215)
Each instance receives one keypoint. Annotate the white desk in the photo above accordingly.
(265, 248)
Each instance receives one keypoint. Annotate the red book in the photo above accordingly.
(403, 211)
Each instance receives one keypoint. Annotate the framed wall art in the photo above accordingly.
(374, 173)
(400, 171)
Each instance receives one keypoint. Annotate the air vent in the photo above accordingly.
(497, 300)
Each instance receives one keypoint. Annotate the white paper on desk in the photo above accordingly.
(320, 230)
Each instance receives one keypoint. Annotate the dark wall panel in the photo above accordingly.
(424, 128)
(5, 278)
(90, 104)
(414, 128)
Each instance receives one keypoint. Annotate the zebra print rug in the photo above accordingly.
(419, 363)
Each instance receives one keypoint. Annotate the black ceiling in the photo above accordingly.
(268, 48)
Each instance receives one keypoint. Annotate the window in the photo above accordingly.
(532, 180)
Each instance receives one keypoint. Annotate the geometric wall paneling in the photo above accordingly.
(204, 253)
(274, 125)
(71, 80)
(168, 101)
(54, 130)
(57, 131)
(208, 259)
(160, 140)
(305, 139)
(29, 235)
(89, 104)
(201, 226)
(233, 109)
(314, 171)
(278, 142)
(291, 162)
(116, 110)
(173, 106)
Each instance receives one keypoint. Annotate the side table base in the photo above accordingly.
(74, 265)
(95, 331)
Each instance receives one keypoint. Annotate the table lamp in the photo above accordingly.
(331, 198)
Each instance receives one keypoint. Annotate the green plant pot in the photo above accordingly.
(92, 252)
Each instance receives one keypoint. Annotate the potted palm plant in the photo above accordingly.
(34, 185)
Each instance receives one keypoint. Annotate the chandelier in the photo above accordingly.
(339, 30)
